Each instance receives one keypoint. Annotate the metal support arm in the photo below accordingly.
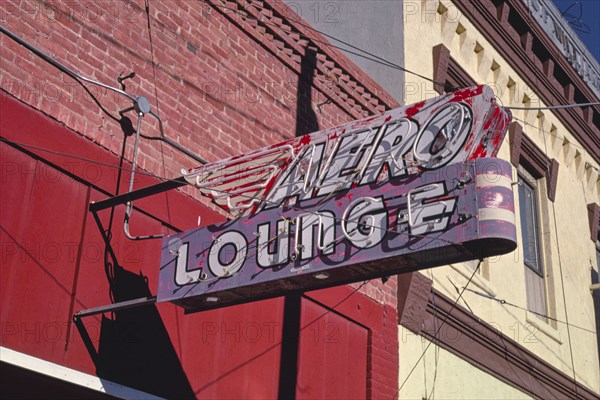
(122, 305)
(138, 194)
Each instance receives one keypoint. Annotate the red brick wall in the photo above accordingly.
(222, 75)
(221, 82)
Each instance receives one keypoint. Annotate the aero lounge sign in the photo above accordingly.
(413, 188)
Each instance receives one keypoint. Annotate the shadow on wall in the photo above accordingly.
(306, 119)
(135, 349)
(306, 122)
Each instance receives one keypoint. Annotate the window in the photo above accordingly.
(538, 178)
(594, 218)
(531, 243)
(528, 210)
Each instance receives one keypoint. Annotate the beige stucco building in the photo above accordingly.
(526, 326)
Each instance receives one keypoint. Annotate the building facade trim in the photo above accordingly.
(447, 73)
(413, 294)
(544, 68)
(559, 31)
(287, 39)
(473, 340)
(524, 151)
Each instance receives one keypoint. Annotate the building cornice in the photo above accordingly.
(558, 30)
(517, 36)
(272, 25)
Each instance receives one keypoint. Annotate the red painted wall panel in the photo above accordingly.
(233, 352)
(41, 223)
(237, 344)
(332, 355)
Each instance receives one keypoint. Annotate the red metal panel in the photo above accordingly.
(41, 221)
(332, 360)
(234, 352)
(351, 303)
(203, 352)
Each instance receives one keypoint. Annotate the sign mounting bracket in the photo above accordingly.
(138, 194)
(122, 305)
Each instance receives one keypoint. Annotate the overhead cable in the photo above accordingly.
(562, 281)
(545, 132)
(162, 179)
(80, 79)
(508, 303)
(365, 54)
(439, 328)
(559, 107)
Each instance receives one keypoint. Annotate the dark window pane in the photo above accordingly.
(529, 227)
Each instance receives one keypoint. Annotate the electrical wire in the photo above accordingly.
(439, 328)
(562, 282)
(374, 58)
(162, 179)
(546, 132)
(378, 59)
(156, 97)
(147, 5)
(576, 22)
(508, 303)
(61, 67)
(559, 107)
(123, 121)
(368, 56)
(75, 157)
(437, 347)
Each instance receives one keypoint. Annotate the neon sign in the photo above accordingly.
(395, 193)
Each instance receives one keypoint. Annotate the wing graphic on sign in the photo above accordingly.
(453, 128)
(240, 184)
